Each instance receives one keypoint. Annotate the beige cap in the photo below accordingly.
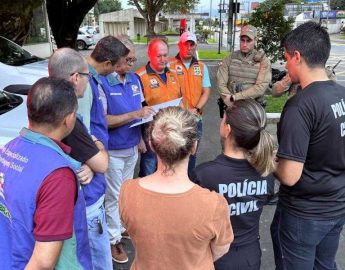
(249, 31)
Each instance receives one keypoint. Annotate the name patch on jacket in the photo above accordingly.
(179, 70)
(135, 90)
(197, 70)
(154, 83)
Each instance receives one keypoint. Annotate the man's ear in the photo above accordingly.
(74, 79)
(69, 121)
(297, 56)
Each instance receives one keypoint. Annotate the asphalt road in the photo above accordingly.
(210, 148)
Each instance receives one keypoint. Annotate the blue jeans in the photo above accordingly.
(192, 158)
(99, 242)
(148, 160)
(304, 244)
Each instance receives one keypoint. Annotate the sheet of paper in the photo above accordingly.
(174, 102)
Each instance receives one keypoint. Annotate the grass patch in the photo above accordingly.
(140, 40)
(144, 40)
(212, 54)
(169, 32)
(211, 41)
(275, 104)
(342, 37)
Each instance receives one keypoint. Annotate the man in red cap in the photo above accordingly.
(194, 80)
(245, 73)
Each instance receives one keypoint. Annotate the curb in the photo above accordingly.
(273, 118)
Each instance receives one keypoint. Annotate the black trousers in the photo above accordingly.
(247, 257)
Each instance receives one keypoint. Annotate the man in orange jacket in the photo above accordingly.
(160, 84)
(194, 80)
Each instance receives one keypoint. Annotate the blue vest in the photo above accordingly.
(121, 99)
(25, 162)
(5, 234)
(98, 123)
(94, 190)
(97, 186)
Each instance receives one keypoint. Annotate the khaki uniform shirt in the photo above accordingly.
(254, 65)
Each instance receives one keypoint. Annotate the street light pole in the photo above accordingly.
(220, 25)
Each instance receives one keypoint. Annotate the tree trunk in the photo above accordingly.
(65, 18)
(150, 26)
(16, 16)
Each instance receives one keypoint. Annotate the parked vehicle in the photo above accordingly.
(18, 66)
(13, 115)
(84, 40)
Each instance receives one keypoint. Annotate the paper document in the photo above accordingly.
(174, 102)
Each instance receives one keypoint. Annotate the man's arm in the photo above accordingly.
(99, 162)
(45, 255)
(262, 82)
(121, 119)
(280, 87)
(288, 172)
(223, 77)
(87, 149)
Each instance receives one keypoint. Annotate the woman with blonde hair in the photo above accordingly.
(173, 223)
(241, 175)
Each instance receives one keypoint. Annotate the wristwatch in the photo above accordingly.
(198, 110)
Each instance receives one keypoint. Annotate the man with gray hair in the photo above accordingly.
(68, 64)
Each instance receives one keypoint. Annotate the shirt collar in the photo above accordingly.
(149, 69)
(94, 74)
(113, 79)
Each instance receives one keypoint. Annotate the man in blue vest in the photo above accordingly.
(93, 106)
(5, 229)
(40, 186)
(70, 65)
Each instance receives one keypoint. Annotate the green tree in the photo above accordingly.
(16, 16)
(272, 27)
(65, 17)
(337, 4)
(150, 8)
(105, 6)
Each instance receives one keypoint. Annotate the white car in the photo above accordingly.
(13, 114)
(84, 40)
(18, 66)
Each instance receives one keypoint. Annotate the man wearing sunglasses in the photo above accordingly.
(246, 73)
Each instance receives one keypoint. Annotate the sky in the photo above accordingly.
(204, 5)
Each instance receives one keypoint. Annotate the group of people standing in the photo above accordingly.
(65, 189)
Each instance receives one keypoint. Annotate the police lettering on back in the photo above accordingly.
(243, 189)
(339, 111)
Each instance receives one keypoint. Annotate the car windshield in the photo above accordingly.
(14, 55)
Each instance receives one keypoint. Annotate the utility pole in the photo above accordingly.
(234, 33)
(220, 26)
(230, 23)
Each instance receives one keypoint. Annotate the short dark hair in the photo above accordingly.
(110, 49)
(50, 100)
(312, 41)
